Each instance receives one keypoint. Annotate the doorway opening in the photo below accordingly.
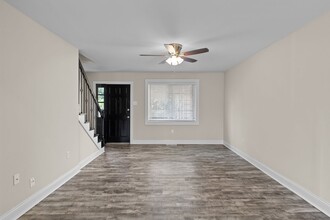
(115, 100)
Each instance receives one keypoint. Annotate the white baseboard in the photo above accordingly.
(90, 158)
(37, 197)
(27, 204)
(309, 197)
(173, 142)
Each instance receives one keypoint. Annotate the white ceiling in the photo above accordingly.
(112, 33)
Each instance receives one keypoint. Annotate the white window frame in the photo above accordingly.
(194, 82)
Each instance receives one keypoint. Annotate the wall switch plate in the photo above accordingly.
(32, 182)
(68, 155)
(16, 179)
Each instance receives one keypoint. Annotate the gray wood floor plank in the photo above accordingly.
(172, 182)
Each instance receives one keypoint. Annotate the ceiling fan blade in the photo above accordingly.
(151, 55)
(198, 51)
(188, 59)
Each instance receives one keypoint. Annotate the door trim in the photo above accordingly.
(131, 100)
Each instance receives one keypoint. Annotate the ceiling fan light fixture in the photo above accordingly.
(176, 57)
(174, 60)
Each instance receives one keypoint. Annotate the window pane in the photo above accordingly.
(183, 102)
(171, 101)
(100, 90)
(100, 98)
(101, 105)
(159, 102)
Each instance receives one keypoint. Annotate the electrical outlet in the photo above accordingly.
(68, 155)
(16, 179)
(32, 182)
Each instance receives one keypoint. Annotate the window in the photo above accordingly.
(100, 96)
(172, 101)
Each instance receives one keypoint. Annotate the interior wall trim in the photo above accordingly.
(37, 197)
(173, 142)
(91, 157)
(309, 197)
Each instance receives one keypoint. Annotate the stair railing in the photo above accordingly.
(89, 105)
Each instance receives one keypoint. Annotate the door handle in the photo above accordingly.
(127, 116)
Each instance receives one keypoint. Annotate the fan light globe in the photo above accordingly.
(174, 60)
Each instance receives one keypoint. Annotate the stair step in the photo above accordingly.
(82, 117)
(91, 132)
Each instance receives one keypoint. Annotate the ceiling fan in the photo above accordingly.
(175, 56)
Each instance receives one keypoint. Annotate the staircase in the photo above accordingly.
(91, 116)
(91, 132)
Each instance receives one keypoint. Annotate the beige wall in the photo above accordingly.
(38, 113)
(210, 111)
(277, 106)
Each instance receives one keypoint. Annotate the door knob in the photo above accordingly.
(127, 116)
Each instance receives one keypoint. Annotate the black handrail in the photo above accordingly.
(90, 106)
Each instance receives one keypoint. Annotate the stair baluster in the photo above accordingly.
(89, 105)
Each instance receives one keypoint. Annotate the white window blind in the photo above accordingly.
(171, 101)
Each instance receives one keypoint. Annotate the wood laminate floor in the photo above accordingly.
(172, 182)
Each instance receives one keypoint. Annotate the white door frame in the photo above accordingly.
(131, 100)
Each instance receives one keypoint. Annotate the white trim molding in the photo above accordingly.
(34, 199)
(37, 197)
(174, 142)
(90, 158)
(309, 197)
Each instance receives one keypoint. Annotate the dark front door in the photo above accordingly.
(117, 112)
